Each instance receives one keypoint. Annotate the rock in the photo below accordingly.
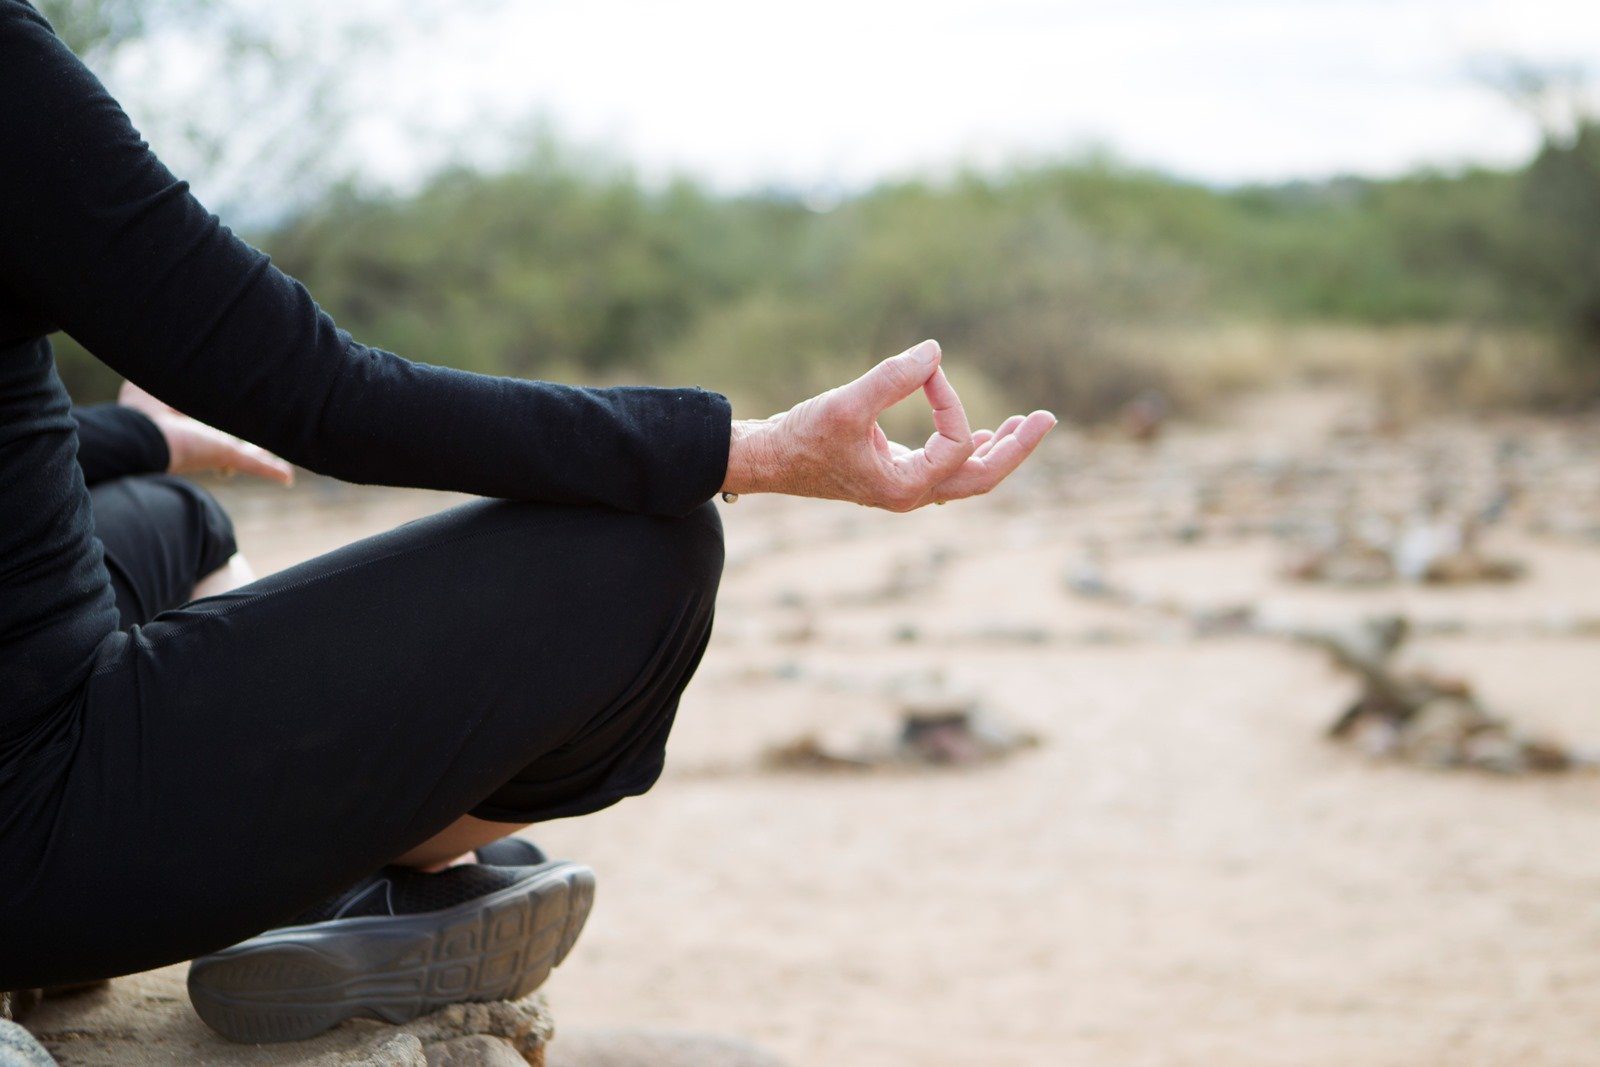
(1425, 718)
(656, 1048)
(478, 1050)
(934, 732)
(145, 1020)
(1143, 417)
(958, 737)
(19, 1049)
(1226, 620)
(809, 752)
(1087, 578)
(523, 1025)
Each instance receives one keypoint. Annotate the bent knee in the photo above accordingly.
(680, 556)
(703, 550)
(149, 517)
(675, 557)
(208, 522)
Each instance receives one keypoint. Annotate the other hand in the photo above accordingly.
(195, 447)
(832, 447)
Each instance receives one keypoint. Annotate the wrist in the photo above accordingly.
(751, 456)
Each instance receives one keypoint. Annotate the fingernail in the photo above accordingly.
(927, 351)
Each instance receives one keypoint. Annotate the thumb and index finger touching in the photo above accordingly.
(897, 378)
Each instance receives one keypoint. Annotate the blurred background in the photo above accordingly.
(1080, 200)
(1252, 724)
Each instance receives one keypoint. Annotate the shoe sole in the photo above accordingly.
(294, 983)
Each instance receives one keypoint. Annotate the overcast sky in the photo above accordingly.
(845, 91)
(832, 94)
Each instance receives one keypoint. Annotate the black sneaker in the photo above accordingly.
(398, 944)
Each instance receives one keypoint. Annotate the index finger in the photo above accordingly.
(949, 417)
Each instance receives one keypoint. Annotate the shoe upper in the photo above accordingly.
(511, 852)
(404, 891)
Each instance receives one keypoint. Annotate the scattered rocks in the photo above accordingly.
(1375, 551)
(1430, 719)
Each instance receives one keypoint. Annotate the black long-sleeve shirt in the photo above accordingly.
(99, 239)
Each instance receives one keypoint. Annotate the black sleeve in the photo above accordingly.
(102, 240)
(116, 441)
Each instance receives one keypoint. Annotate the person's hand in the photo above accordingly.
(194, 446)
(831, 446)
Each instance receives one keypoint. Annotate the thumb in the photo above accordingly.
(895, 378)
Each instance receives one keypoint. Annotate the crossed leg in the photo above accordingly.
(409, 696)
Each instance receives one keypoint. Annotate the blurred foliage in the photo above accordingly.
(1556, 268)
(1039, 277)
(1067, 285)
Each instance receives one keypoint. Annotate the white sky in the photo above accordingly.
(837, 93)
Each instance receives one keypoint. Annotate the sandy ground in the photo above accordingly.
(1184, 872)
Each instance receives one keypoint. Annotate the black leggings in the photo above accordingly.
(234, 759)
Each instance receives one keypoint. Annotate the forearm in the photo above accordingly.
(115, 441)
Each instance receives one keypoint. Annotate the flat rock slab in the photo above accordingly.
(655, 1048)
(145, 1021)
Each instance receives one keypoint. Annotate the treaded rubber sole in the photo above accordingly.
(293, 983)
